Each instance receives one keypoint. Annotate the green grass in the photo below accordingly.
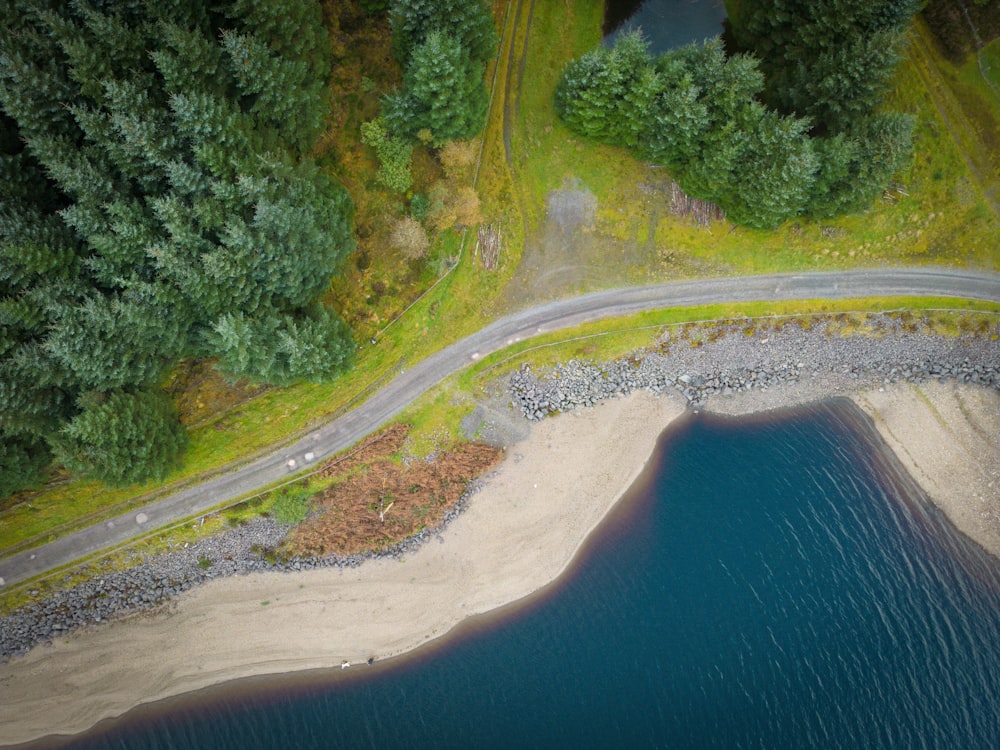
(990, 56)
(944, 219)
(954, 165)
(291, 504)
(442, 409)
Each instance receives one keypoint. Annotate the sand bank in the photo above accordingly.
(518, 534)
(948, 438)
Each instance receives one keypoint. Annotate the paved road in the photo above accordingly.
(346, 430)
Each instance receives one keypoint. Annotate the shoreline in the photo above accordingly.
(503, 548)
(519, 533)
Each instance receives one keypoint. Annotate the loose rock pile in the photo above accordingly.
(736, 361)
(246, 549)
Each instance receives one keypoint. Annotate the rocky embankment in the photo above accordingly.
(249, 548)
(697, 364)
(738, 358)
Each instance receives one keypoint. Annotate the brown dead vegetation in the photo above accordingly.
(381, 445)
(378, 502)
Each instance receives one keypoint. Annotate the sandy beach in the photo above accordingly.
(518, 534)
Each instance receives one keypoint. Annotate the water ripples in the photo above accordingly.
(781, 584)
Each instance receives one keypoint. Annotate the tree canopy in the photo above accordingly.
(155, 187)
(443, 47)
(697, 111)
(468, 22)
(830, 60)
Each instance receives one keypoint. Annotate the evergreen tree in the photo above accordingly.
(157, 183)
(443, 91)
(774, 172)
(122, 437)
(855, 166)
(282, 349)
(695, 110)
(467, 21)
(443, 46)
(282, 70)
(115, 341)
(607, 93)
(22, 461)
(831, 60)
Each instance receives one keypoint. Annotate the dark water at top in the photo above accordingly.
(774, 584)
(665, 23)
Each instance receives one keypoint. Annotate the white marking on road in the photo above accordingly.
(141, 518)
(309, 456)
(290, 463)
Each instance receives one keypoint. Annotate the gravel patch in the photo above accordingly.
(249, 548)
(734, 361)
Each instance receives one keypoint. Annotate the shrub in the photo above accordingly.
(408, 236)
(393, 154)
(292, 506)
(457, 159)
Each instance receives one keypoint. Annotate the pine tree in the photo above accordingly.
(157, 182)
(282, 348)
(855, 166)
(23, 459)
(122, 437)
(116, 341)
(609, 93)
(695, 110)
(772, 179)
(467, 21)
(443, 91)
(827, 59)
(585, 96)
(678, 119)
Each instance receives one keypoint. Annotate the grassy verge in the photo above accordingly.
(435, 420)
(441, 410)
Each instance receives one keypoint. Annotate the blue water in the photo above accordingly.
(665, 23)
(770, 583)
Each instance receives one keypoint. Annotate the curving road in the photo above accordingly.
(346, 430)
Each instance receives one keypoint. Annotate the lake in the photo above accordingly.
(665, 23)
(770, 582)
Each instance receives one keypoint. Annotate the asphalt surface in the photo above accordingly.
(348, 429)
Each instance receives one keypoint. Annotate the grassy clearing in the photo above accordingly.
(944, 217)
(940, 217)
(990, 57)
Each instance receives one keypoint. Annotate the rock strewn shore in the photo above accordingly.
(240, 551)
(775, 356)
